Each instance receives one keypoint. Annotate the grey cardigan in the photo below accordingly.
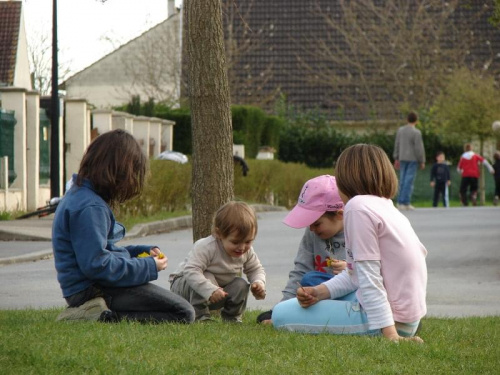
(409, 145)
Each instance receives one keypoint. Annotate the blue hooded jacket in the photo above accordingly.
(84, 237)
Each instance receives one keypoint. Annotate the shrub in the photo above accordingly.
(168, 188)
(182, 129)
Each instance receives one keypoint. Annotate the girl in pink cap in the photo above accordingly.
(321, 253)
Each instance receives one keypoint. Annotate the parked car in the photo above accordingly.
(176, 156)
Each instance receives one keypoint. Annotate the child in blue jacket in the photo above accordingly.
(101, 280)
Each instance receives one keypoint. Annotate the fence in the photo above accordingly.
(423, 192)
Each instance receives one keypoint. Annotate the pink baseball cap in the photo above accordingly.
(318, 196)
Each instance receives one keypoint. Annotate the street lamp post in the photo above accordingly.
(55, 189)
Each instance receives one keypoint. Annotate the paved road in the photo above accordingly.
(463, 262)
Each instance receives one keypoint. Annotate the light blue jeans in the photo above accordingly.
(407, 173)
(344, 316)
(328, 316)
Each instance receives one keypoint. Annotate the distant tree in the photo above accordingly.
(40, 58)
(242, 40)
(208, 91)
(154, 65)
(467, 107)
(383, 54)
(495, 18)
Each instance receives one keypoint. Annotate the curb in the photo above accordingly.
(32, 257)
(139, 230)
(18, 236)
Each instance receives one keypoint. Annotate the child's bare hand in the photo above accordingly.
(217, 296)
(258, 290)
(433, 184)
(161, 264)
(307, 296)
(156, 252)
(338, 266)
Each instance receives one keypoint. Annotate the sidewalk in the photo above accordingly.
(20, 240)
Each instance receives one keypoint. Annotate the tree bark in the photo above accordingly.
(208, 91)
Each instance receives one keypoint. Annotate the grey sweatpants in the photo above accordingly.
(233, 306)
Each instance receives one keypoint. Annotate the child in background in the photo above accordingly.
(210, 276)
(99, 279)
(440, 180)
(321, 253)
(496, 167)
(386, 274)
(468, 167)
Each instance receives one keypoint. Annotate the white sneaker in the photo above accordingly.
(402, 207)
(410, 207)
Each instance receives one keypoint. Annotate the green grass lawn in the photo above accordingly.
(32, 342)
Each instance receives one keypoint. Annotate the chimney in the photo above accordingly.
(171, 8)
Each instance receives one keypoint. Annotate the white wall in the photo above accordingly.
(22, 76)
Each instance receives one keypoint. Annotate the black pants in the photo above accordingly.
(468, 183)
(144, 303)
(441, 188)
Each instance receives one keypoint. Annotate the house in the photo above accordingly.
(299, 50)
(148, 66)
(353, 61)
(14, 63)
(19, 116)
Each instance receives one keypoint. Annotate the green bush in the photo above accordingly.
(271, 132)
(168, 188)
(248, 127)
(252, 127)
(273, 182)
(182, 129)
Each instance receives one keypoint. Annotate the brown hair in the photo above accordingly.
(468, 147)
(412, 117)
(115, 165)
(365, 169)
(236, 217)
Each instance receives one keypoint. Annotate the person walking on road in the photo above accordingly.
(408, 155)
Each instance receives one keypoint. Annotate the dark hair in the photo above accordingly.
(330, 214)
(412, 117)
(115, 165)
(496, 155)
(236, 217)
(365, 170)
(439, 153)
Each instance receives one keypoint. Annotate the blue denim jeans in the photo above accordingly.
(407, 173)
(314, 278)
(144, 303)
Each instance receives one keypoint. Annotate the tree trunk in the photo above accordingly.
(208, 91)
